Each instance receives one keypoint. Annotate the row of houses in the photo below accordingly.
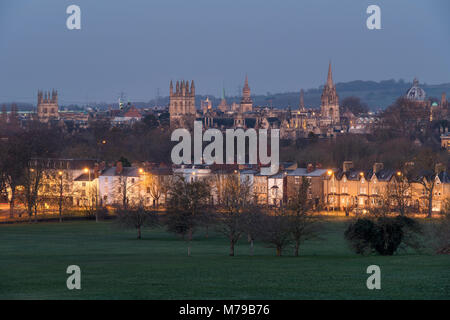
(88, 182)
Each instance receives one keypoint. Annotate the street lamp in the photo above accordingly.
(361, 174)
(88, 171)
(141, 172)
(329, 173)
(60, 173)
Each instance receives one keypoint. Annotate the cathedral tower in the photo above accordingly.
(182, 103)
(246, 101)
(329, 107)
(47, 105)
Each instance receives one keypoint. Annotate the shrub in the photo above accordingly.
(360, 235)
(383, 235)
(441, 234)
(387, 236)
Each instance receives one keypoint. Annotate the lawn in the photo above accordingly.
(114, 265)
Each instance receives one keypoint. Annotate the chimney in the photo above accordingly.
(309, 168)
(347, 166)
(119, 167)
(377, 167)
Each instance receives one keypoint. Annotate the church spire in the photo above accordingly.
(302, 101)
(330, 76)
(246, 89)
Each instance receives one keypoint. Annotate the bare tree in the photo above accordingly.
(91, 205)
(303, 224)
(31, 183)
(252, 222)
(234, 204)
(427, 165)
(136, 217)
(154, 184)
(13, 162)
(188, 200)
(275, 229)
(399, 190)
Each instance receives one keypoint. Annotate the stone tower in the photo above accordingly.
(246, 101)
(47, 106)
(182, 103)
(444, 100)
(329, 107)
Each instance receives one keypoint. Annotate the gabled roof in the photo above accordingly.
(385, 174)
(131, 112)
(303, 172)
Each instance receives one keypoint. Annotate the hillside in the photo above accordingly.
(378, 95)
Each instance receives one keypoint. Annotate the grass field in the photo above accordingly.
(34, 258)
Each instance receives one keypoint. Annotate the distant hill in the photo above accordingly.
(377, 95)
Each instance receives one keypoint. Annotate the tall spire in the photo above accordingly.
(302, 101)
(246, 89)
(171, 88)
(330, 76)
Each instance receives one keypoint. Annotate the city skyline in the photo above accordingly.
(112, 53)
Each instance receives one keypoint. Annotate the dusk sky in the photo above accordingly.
(138, 46)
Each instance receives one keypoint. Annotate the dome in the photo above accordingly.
(415, 92)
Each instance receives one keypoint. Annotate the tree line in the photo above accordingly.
(236, 215)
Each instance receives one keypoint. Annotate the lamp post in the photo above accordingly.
(361, 175)
(329, 173)
(88, 171)
(141, 173)
(60, 173)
